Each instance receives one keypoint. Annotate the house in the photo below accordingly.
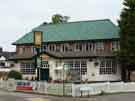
(5, 65)
(82, 50)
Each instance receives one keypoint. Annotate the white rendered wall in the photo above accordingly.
(52, 68)
(92, 72)
(94, 75)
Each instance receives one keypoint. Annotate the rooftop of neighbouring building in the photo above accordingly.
(5, 53)
(74, 31)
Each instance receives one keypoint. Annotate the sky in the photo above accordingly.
(18, 17)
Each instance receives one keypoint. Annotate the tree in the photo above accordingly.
(127, 38)
(15, 75)
(57, 18)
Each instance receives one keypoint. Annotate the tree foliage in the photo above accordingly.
(127, 34)
(58, 18)
(15, 75)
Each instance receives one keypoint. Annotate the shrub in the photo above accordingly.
(15, 75)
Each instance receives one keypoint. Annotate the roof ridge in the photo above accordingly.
(76, 22)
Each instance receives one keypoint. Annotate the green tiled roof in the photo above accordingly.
(83, 30)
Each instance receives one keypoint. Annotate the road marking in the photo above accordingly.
(38, 99)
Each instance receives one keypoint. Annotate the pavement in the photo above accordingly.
(16, 96)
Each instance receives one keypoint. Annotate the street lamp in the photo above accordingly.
(38, 38)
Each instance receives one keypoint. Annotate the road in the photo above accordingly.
(12, 96)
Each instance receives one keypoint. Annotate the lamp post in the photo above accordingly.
(38, 38)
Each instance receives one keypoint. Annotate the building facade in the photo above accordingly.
(5, 65)
(73, 51)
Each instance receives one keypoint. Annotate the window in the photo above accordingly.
(51, 47)
(78, 66)
(108, 66)
(58, 48)
(24, 49)
(78, 47)
(27, 68)
(45, 47)
(70, 64)
(45, 65)
(115, 45)
(102, 64)
(83, 67)
(99, 46)
(64, 47)
(88, 46)
(2, 64)
(68, 47)
(20, 50)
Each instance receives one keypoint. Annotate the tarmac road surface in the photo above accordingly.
(14, 96)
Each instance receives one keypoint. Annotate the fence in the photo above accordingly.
(99, 88)
(53, 88)
(38, 87)
(68, 89)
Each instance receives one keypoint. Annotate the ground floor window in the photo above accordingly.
(79, 67)
(108, 66)
(27, 68)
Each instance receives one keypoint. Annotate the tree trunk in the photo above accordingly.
(123, 74)
(129, 75)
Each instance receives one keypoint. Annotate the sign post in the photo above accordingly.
(38, 38)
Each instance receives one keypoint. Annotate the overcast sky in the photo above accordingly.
(19, 16)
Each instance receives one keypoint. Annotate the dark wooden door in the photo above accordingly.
(44, 74)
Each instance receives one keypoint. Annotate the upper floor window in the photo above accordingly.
(52, 47)
(24, 49)
(79, 47)
(99, 45)
(89, 46)
(45, 47)
(107, 45)
(68, 47)
(58, 47)
(115, 45)
(64, 48)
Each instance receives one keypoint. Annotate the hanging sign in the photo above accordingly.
(38, 39)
